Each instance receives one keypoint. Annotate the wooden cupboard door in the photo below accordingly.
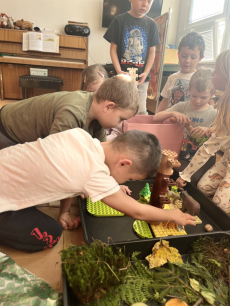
(11, 73)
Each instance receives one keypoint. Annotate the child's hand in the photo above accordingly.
(180, 218)
(125, 189)
(208, 132)
(200, 130)
(122, 72)
(84, 196)
(180, 118)
(142, 78)
(69, 221)
(180, 183)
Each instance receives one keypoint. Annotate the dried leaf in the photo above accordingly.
(194, 284)
(209, 296)
(161, 253)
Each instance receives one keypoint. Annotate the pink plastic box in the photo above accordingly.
(169, 134)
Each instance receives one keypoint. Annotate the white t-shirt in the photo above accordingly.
(176, 88)
(59, 166)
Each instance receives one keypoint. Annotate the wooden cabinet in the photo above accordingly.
(67, 65)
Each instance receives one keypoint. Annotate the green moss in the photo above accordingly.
(92, 271)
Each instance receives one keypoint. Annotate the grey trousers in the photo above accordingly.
(142, 91)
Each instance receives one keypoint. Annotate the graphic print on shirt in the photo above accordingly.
(134, 46)
(191, 143)
(180, 92)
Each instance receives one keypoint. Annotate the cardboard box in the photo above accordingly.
(170, 135)
(171, 56)
(151, 105)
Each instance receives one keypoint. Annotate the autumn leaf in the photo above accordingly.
(162, 253)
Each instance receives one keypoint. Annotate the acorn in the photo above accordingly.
(208, 228)
(227, 251)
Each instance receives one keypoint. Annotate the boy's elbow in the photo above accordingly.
(138, 214)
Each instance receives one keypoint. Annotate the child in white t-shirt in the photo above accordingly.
(67, 164)
(190, 53)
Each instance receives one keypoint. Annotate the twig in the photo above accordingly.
(109, 268)
(198, 302)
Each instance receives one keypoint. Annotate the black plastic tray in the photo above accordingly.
(182, 243)
(120, 229)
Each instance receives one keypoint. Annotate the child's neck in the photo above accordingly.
(181, 71)
(134, 15)
(108, 151)
(199, 109)
(92, 112)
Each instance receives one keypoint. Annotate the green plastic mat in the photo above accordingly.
(100, 209)
(142, 229)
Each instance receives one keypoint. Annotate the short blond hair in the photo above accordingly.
(121, 90)
(202, 80)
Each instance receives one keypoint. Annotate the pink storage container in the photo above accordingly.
(169, 134)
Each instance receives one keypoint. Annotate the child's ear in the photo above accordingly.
(201, 58)
(108, 105)
(124, 163)
(177, 54)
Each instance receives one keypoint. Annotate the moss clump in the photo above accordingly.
(92, 271)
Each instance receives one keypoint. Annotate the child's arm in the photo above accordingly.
(123, 203)
(148, 66)
(208, 149)
(163, 105)
(66, 219)
(180, 118)
(114, 58)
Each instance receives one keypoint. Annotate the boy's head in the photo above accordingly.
(92, 77)
(201, 88)
(117, 100)
(136, 155)
(140, 7)
(190, 51)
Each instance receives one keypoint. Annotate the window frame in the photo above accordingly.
(210, 23)
(205, 20)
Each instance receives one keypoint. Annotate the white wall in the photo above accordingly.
(54, 14)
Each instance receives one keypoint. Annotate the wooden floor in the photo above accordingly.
(4, 102)
(47, 264)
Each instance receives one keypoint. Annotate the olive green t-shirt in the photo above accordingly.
(40, 116)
